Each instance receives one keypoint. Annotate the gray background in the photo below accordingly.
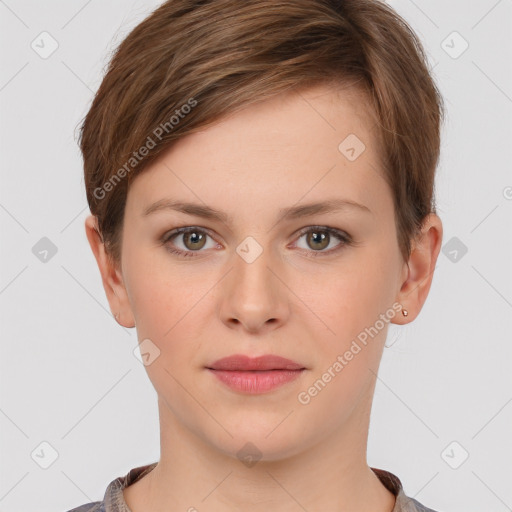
(77, 409)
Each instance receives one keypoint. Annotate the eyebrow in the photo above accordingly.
(290, 213)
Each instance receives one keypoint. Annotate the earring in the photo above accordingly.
(404, 312)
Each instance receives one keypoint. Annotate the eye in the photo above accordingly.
(193, 239)
(320, 237)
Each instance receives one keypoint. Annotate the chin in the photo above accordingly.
(258, 439)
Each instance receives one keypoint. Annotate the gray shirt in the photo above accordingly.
(113, 501)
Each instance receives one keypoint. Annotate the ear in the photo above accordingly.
(110, 275)
(419, 269)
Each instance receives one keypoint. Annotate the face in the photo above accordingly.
(308, 285)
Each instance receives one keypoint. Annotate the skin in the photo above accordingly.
(275, 154)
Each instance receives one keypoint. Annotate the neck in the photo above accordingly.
(331, 474)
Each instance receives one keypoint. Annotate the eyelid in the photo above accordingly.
(335, 231)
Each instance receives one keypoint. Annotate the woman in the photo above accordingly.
(260, 176)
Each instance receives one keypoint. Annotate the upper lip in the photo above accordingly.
(245, 363)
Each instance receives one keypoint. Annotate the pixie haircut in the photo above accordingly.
(191, 62)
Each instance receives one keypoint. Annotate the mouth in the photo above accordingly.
(257, 375)
(243, 363)
(255, 381)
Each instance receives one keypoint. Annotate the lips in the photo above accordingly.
(240, 362)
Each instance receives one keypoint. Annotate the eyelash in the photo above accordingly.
(343, 237)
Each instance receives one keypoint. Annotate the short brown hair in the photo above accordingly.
(197, 60)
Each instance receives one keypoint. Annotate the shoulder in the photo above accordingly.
(113, 500)
(403, 503)
(95, 506)
(410, 504)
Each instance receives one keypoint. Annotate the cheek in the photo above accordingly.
(355, 303)
(157, 291)
(350, 296)
(172, 305)
(348, 358)
(167, 305)
(164, 305)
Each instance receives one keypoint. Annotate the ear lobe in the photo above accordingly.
(421, 265)
(111, 275)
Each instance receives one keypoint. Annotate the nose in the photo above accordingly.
(254, 297)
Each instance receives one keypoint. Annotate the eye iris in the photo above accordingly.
(194, 237)
(316, 237)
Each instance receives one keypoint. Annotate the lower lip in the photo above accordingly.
(254, 382)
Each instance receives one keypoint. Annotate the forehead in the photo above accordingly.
(296, 145)
(311, 117)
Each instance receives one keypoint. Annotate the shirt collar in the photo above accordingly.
(113, 500)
